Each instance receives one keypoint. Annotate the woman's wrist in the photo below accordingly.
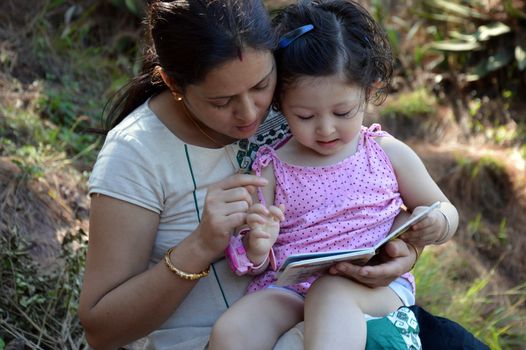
(196, 250)
(417, 253)
(189, 276)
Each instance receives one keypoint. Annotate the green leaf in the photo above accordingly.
(132, 6)
(502, 58)
(485, 32)
(490, 64)
(441, 17)
(2, 344)
(512, 10)
(394, 39)
(457, 9)
(520, 56)
(455, 45)
(471, 38)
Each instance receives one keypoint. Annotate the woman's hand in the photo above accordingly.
(225, 208)
(395, 258)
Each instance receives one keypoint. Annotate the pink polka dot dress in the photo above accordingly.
(350, 204)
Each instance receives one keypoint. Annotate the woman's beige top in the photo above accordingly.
(145, 164)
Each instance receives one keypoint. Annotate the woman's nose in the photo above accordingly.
(247, 110)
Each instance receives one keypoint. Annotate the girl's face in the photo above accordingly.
(234, 98)
(325, 114)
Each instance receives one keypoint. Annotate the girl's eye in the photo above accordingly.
(343, 115)
(350, 113)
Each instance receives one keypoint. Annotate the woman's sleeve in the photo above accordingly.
(126, 170)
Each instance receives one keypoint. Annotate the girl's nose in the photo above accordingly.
(324, 128)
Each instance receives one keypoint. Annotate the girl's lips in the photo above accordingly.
(328, 144)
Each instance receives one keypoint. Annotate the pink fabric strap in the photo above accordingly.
(237, 259)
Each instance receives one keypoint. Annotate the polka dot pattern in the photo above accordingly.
(347, 205)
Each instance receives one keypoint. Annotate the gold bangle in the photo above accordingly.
(416, 252)
(184, 275)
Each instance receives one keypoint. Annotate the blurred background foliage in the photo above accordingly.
(458, 97)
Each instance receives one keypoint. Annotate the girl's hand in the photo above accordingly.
(395, 259)
(225, 208)
(264, 229)
(429, 230)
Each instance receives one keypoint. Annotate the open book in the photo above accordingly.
(299, 267)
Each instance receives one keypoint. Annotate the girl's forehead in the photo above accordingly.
(323, 84)
(303, 81)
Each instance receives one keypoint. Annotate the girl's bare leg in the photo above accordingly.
(257, 320)
(334, 312)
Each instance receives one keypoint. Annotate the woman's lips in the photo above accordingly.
(250, 127)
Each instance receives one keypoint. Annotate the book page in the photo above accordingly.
(299, 267)
(299, 271)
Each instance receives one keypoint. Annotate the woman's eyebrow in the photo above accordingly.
(259, 82)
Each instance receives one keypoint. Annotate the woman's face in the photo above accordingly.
(234, 98)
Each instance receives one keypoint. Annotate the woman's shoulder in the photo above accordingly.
(142, 124)
(140, 133)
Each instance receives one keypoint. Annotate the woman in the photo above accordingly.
(165, 196)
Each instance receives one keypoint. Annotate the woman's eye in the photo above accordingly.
(305, 117)
(221, 105)
(261, 86)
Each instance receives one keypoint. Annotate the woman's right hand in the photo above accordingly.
(225, 209)
(394, 259)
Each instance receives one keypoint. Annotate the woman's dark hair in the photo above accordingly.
(345, 40)
(189, 38)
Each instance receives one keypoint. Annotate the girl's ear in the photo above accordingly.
(377, 85)
(176, 92)
(376, 89)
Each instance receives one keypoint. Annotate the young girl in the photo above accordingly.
(334, 184)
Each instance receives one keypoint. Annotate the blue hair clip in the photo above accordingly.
(289, 37)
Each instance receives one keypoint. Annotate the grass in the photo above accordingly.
(410, 104)
(40, 309)
(449, 285)
(41, 124)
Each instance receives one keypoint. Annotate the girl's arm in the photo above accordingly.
(418, 189)
(263, 219)
(121, 298)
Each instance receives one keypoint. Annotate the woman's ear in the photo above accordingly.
(176, 92)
